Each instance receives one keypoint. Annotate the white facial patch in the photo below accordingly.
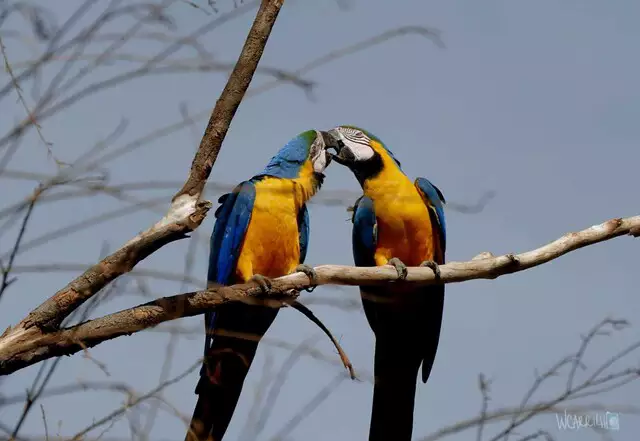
(361, 152)
(320, 161)
(357, 142)
(319, 154)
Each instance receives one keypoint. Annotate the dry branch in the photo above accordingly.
(186, 211)
(230, 99)
(51, 313)
(27, 346)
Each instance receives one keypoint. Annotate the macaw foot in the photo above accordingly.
(434, 266)
(263, 282)
(311, 274)
(400, 267)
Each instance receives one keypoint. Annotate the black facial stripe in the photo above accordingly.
(355, 140)
(368, 169)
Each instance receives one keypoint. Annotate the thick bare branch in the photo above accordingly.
(186, 211)
(26, 346)
(51, 313)
(231, 97)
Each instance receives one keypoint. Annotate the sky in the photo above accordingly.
(534, 101)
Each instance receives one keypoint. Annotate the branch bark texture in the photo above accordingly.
(26, 346)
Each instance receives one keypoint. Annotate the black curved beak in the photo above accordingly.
(333, 141)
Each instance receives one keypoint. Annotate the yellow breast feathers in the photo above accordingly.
(403, 224)
(271, 245)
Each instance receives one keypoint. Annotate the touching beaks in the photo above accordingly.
(332, 140)
(344, 154)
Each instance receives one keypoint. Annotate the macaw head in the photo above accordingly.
(304, 154)
(361, 151)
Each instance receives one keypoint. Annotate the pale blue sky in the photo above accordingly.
(534, 100)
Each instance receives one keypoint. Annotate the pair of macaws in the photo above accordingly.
(262, 232)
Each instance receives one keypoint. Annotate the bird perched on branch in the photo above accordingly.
(396, 222)
(261, 232)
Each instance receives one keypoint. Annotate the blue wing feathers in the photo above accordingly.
(222, 215)
(436, 199)
(232, 220)
(303, 232)
(364, 232)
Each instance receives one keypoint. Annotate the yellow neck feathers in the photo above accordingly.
(390, 182)
(306, 184)
(302, 188)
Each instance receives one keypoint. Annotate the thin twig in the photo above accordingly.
(6, 269)
(308, 409)
(44, 421)
(30, 114)
(133, 401)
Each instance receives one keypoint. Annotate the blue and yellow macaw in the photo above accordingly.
(395, 222)
(261, 232)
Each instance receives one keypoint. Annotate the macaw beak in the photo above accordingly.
(332, 140)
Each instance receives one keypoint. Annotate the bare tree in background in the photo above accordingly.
(50, 67)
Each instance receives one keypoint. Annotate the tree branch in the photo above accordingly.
(26, 346)
(186, 211)
(230, 99)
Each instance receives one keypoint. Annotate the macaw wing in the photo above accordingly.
(232, 221)
(364, 233)
(303, 232)
(434, 200)
(364, 240)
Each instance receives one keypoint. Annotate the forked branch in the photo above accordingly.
(186, 211)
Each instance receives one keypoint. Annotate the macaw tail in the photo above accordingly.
(218, 392)
(407, 337)
(227, 364)
(396, 373)
(202, 419)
